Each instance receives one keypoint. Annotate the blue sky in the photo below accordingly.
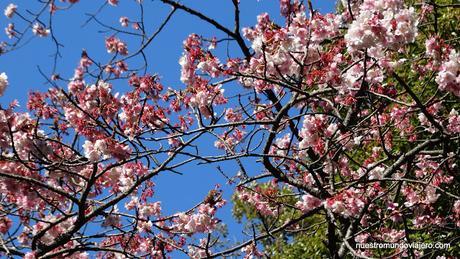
(175, 191)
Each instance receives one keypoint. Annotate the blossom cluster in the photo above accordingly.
(201, 222)
(381, 24)
(3, 83)
(448, 77)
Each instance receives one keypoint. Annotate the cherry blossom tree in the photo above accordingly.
(345, 129)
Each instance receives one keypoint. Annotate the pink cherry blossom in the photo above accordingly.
(454, 122)
(308, 203)
(10, 31)
(251, 252)
(5, 224)
(30, 255)
(448, 78)
(115, 45)
(3, 83)
(39, 30)
(124, 21)
(201, 222)
(381, 24)
(113, 2)
(10, 10)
